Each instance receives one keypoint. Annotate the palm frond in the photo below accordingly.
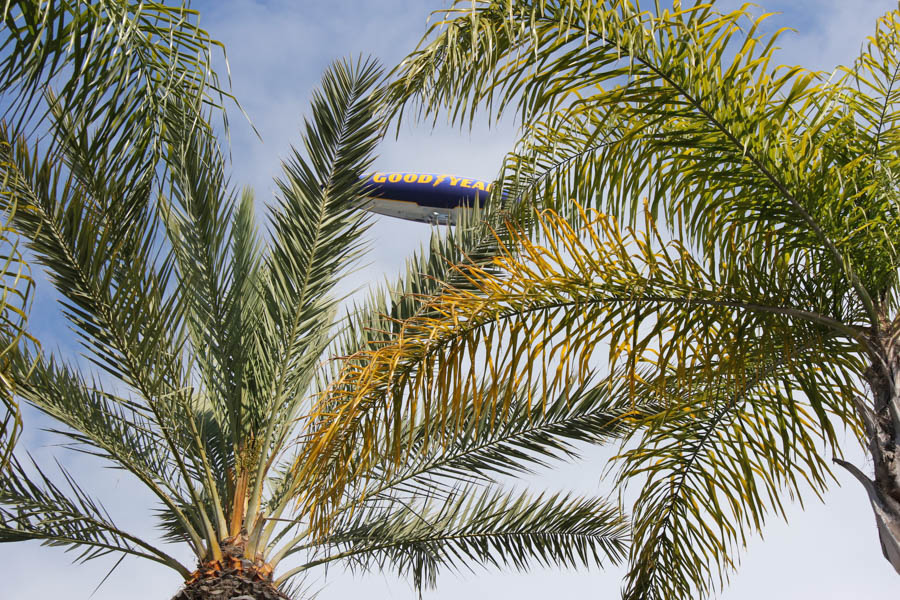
(722, 456)
(487, 527)
(865, 153)
(199, 212)
(692, 341)
(693, 133)
(15, 302)
(97, 239)
(113, 64)
(99, 422)
(317, 225)
(510, 442)
(539, 321)
(873, 89)
(43, 511)
(487, 447)
(217, 258)
(90, 240)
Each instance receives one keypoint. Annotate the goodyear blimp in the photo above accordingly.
(425, 197)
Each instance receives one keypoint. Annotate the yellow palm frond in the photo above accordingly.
(540, 316)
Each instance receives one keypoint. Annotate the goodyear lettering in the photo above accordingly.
(434, 180)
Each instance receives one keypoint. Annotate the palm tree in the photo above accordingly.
(211, 344)
(747, 309)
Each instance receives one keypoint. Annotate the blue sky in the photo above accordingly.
(277, 51)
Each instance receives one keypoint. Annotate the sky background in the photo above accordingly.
(277, 51)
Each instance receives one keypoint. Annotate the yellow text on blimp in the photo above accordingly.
(434, 180)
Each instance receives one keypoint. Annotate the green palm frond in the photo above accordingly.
(89, 239)
(484, 450)
(217, 257)
(110, 66)
(317, 224)
(98, 244)
(486, 527)
(865, 153)
(873, 94)
(687, 127)
(214, 275)
(722, 456)
(763, 324)
(44, 511)
(99, 422)
(317, 227)
(97, 237)
(509, 443)
(556, 160)
(122, 431)
(111, 63)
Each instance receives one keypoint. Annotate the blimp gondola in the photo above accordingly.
(424, 197)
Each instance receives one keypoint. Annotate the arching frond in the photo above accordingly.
(41, 510)
(112, 63)
(15, 302)
(317, 227)
(721, 142)
(478, 527)
(111, 66)
(88, 238)
(95, 236)
(488, 446)
(99, 422)
(484, 450)
(873, 94)
(541, 321)
(724, 454)
(317, 223)
(866, 153)
(217, 260)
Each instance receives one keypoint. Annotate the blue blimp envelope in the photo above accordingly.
(424, 197)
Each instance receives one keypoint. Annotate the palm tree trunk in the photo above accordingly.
(233, 578)
(882, 424)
